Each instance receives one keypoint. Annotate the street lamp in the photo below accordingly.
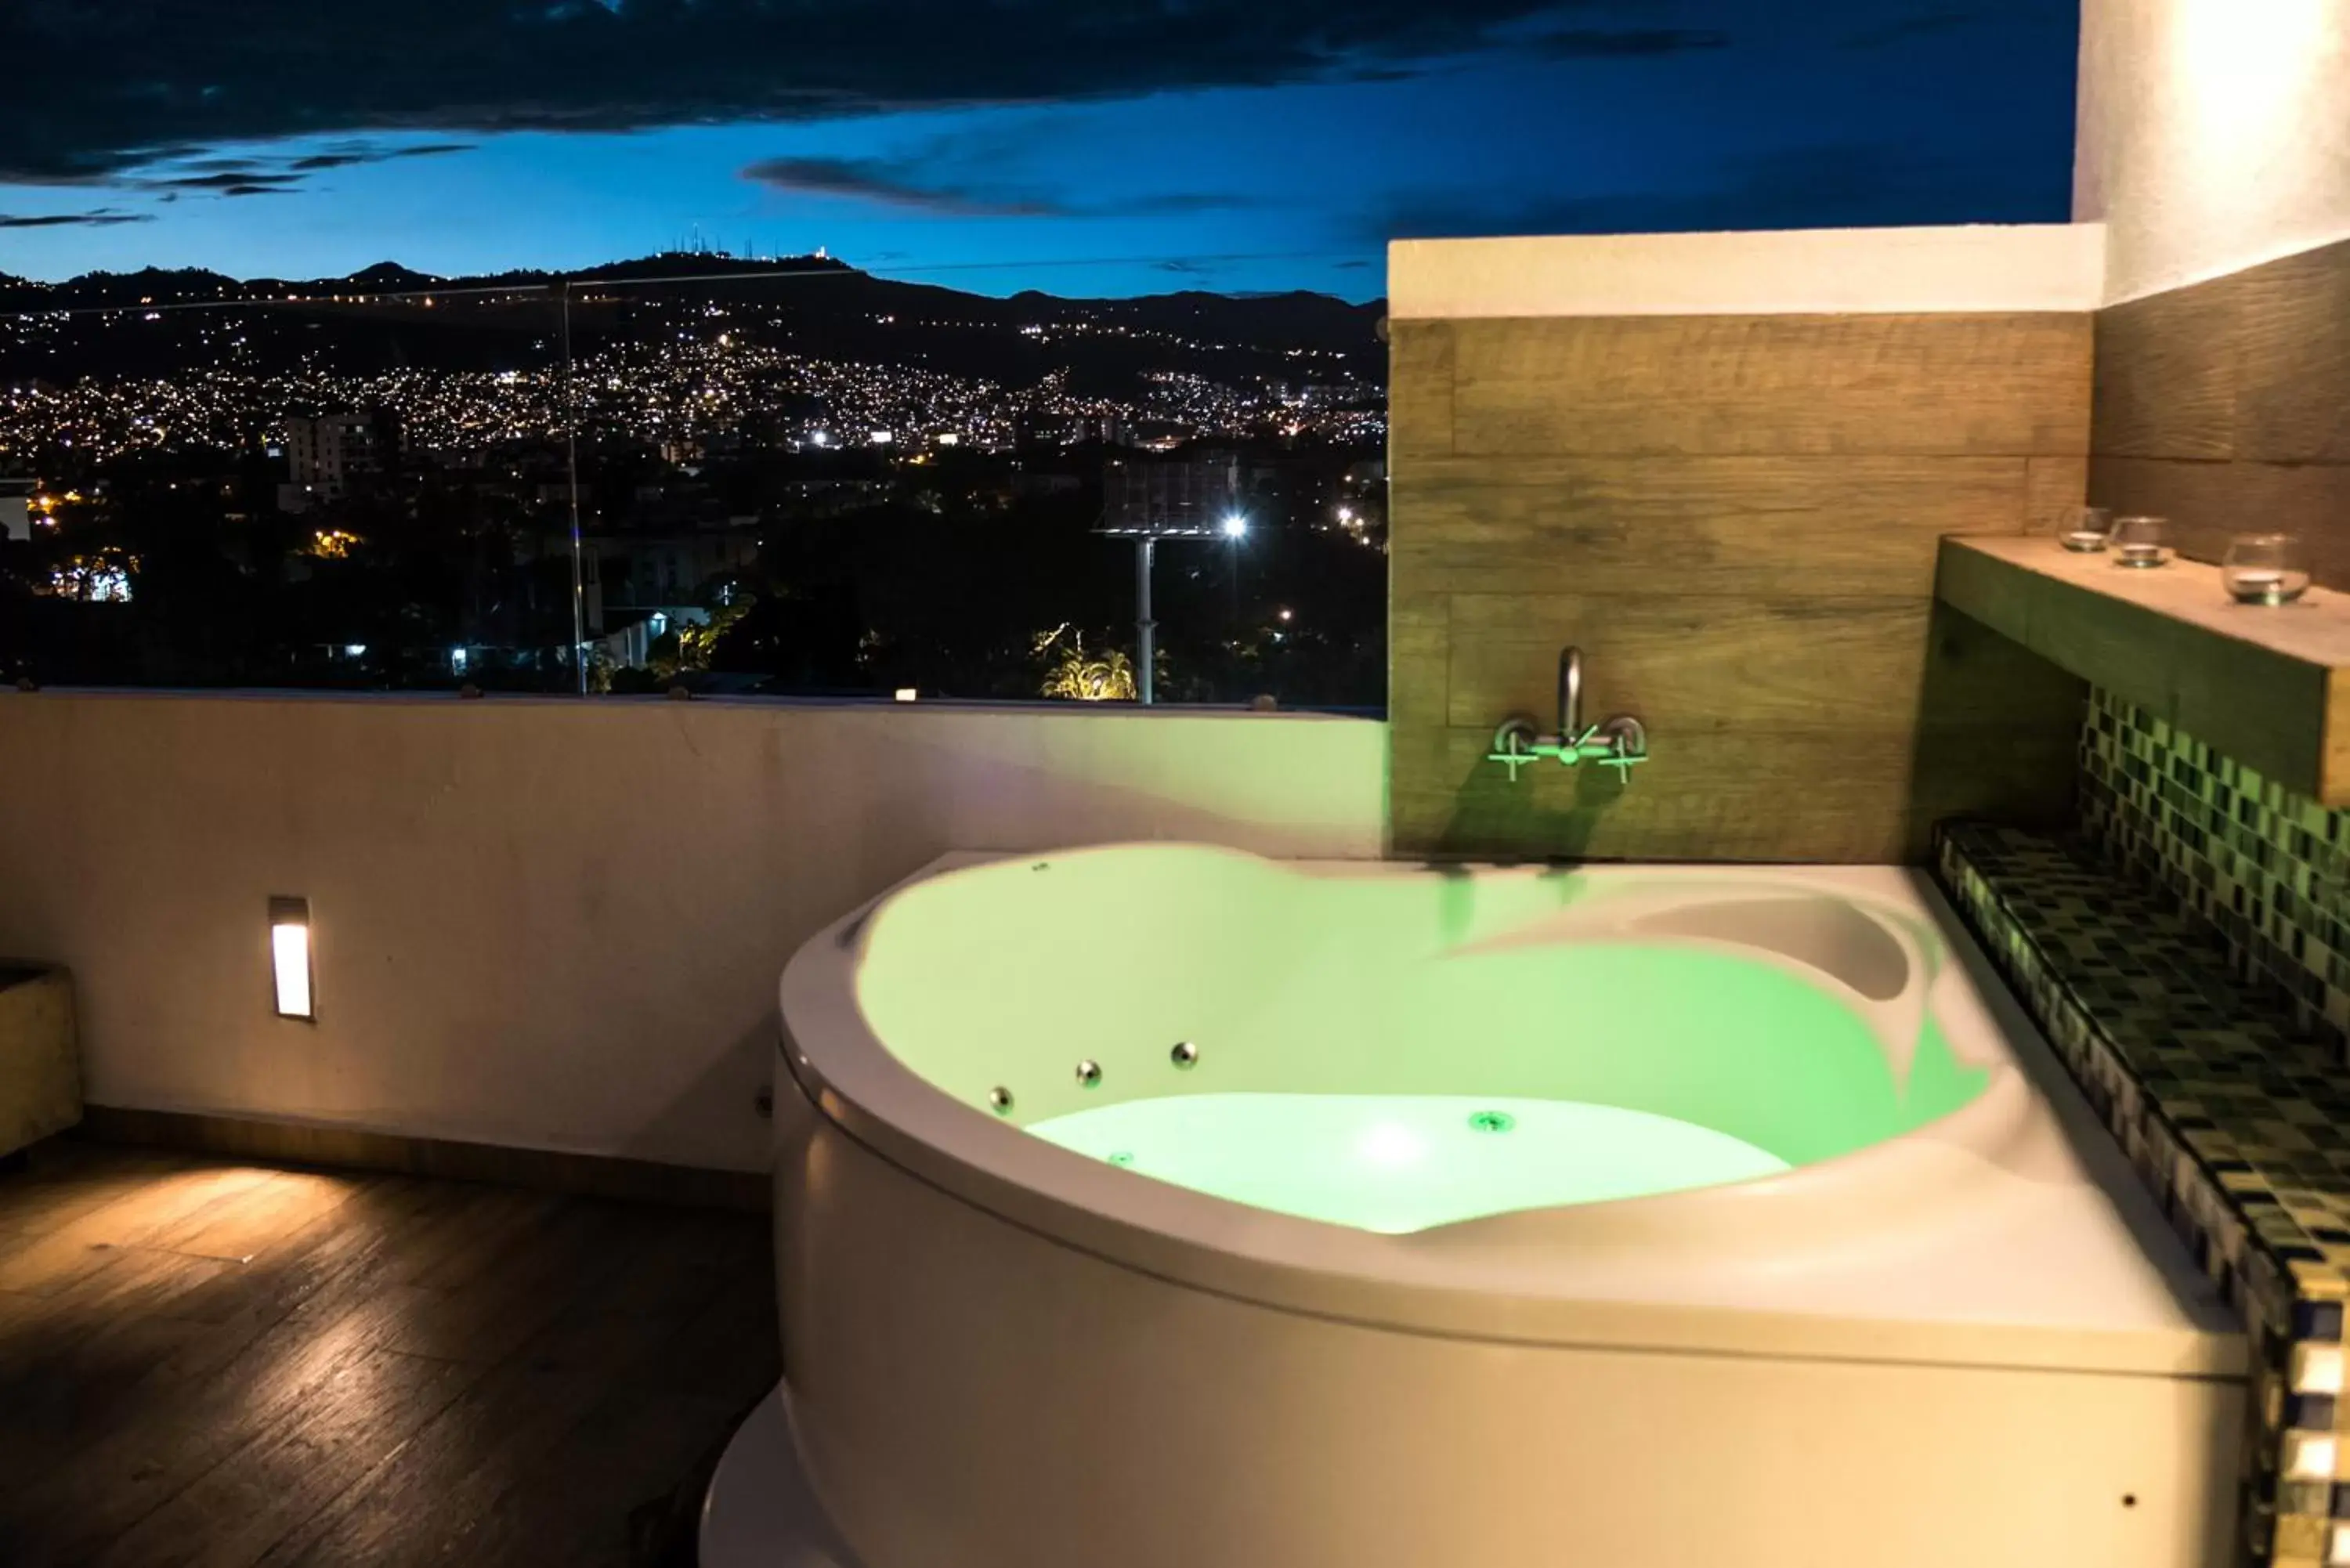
(1145, 537)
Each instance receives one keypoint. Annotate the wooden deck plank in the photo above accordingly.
(369, 1406)
(224, 1364)
(46, 1261)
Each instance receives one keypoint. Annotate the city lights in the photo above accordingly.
(686, 390)
(679, 426)
(100, 579)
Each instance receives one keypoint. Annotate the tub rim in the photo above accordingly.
(1443, 1280)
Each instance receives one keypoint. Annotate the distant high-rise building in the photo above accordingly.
(330, 454)
(16, 509)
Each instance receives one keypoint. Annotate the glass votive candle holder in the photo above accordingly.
(2141, 542)
(2091, 527)
(2265, 568)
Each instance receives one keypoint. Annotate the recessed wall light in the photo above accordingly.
(289, 958)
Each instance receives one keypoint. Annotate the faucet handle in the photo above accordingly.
(1627, 745)
(1514, 744)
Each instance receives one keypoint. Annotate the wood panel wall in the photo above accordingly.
(1736, 518)
(2226, 407)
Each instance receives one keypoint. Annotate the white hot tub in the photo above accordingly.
(1161, 1206)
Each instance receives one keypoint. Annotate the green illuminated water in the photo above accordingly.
(1396, 1163)
(1726, 1041)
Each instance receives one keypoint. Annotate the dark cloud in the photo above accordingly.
(182, 77)
(104, 218)
(1837, 185)
(344, 157)
(1623, 44)
(229, 181)
(258, 176)
(889, 181)
(938, 179)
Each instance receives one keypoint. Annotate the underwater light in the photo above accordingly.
(1399, 1163)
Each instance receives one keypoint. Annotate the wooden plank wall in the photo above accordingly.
(1736, 518)
(2226, 408)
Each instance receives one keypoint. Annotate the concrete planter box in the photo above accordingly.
(40, 1069)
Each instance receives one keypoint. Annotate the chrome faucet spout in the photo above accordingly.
(1570, 694)
(1621, 743)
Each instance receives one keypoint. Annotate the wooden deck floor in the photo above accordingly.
(208, 1363)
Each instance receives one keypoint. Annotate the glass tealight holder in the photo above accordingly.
(2265, 568)
(2091, 527)
(2141, 542)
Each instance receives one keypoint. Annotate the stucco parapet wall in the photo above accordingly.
(1924, 271)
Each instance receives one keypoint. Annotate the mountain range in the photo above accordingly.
(156, 321)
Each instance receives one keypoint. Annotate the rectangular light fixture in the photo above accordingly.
(289, 958)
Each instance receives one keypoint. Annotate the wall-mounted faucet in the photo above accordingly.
(1621, 743)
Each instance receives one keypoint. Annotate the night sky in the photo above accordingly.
(1080, 145)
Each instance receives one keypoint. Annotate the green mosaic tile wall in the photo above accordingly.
(2268, 868)
(2228, 1115)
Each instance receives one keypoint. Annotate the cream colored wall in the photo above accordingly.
(554, 924)
(1797, 271)
(2214, 135)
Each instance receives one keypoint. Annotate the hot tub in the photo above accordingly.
(1158, 1205)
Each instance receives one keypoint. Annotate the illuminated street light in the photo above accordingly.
(1146, 535)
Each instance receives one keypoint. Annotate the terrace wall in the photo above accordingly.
(556, 924)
